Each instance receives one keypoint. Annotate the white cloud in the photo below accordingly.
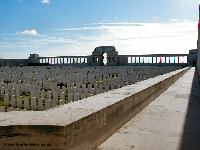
(82, 28)
(115, 24)
(173, 20)
(141, 38)
(100, 26)
(45, 1)
(128, 38)
(186, 20)
(31, 32)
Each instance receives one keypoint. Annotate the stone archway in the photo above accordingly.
(98, 56)
(105, 59)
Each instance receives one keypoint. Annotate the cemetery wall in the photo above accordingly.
(13, 62)
(83, 124)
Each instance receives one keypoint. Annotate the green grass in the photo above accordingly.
(99, 82)
(1, 101)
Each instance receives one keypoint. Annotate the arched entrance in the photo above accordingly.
(104, 56)
(105, 59)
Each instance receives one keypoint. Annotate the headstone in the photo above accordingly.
(19, 101)
(33, 103)
(7, 100)
(13, 101)
(26, 103)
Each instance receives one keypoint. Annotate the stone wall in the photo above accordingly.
(13, 62)
(83, 124)
(113, 59)
(198, 62)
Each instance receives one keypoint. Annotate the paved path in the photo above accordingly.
(171, 122)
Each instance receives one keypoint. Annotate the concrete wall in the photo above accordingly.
(198, 63)
(192, 57)
(83, 124)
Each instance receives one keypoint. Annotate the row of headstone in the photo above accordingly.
(40, 88)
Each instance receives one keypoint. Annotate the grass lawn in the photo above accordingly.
(1, 101)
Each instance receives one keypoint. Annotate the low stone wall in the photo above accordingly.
(13, 62)
(83, 124)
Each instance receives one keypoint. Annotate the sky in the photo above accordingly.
(76, 27)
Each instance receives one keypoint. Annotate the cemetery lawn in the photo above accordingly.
(1, 101)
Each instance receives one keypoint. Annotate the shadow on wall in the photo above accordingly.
(191, 134)
(198, 63)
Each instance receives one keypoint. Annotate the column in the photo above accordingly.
(178, 59)
(160, 59)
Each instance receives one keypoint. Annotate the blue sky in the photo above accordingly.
(76, 27)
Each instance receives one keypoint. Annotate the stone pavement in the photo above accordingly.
(171, 122)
